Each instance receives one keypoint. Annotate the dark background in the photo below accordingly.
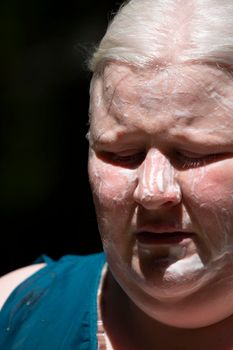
(45, 200)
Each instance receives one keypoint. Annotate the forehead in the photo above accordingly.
(177, 96)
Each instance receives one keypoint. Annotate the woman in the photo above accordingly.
(160, 168)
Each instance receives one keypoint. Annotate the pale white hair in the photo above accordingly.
(161, 32)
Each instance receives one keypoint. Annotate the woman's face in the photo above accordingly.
(161, 172)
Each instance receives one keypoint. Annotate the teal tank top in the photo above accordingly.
(55, 308)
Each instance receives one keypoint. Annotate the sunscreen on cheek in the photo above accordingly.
(113, 185)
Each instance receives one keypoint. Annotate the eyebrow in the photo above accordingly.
(188, 136)
(112, 138)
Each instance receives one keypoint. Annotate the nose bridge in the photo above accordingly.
(157, 172)
(157, 180)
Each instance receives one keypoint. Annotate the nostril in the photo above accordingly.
(156, 199)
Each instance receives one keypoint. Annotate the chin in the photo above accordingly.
(189, 305)
(186, 303)
(185, 293)
(170, 280)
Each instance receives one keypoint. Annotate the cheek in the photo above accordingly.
(111, 186)
(208, 192)
(211, 186)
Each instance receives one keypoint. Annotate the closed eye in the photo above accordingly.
(191, 160)
(123, 159)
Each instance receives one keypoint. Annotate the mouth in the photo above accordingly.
(163, 238)
(166, 247)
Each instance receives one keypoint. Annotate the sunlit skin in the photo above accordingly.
(161, 159)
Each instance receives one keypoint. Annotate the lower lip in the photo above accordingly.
(150, 238)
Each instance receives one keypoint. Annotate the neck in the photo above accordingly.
(129, 328)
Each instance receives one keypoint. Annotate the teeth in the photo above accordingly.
(177, 252)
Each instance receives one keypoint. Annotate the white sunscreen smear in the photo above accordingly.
(185, 266)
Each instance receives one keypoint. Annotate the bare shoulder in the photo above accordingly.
(11, 280)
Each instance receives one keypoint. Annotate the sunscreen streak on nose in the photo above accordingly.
(157, 174)
(149, 177)
(160, 181)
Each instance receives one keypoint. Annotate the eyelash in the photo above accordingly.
(192, 162)
(133, 159)
(178, 158)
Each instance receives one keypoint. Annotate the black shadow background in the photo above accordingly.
(45, 200)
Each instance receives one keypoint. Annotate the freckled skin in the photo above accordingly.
(181, 118)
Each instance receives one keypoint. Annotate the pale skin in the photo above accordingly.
(161, 160)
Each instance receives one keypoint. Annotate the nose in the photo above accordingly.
(157, 185)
